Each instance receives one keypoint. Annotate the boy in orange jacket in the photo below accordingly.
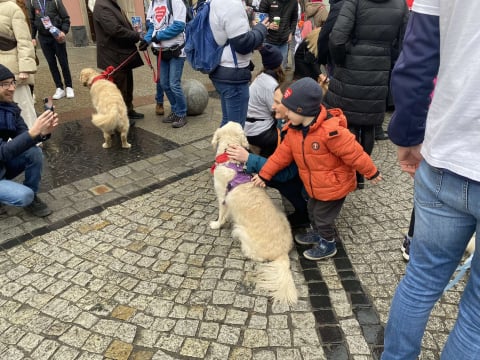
(327, 156)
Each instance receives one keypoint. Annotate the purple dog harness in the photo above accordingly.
(240, 176)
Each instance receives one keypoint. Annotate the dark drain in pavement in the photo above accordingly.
(333, 339)
(75, 152)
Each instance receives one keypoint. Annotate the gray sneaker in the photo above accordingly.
(170, 118)
(179, 122)
(309, 238)
(38, 208)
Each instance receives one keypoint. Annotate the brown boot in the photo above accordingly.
(159, 110)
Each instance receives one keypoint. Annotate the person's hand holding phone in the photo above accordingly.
(46, 122)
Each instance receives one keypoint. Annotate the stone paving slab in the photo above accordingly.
(127, 268)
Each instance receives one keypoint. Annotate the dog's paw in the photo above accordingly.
(106, 146)
(126, 146)
(215, 225)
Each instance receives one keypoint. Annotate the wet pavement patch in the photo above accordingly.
(75, 152)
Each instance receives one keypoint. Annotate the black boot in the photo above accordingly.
(380, 134)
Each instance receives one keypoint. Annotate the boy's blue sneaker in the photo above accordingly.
(309, 238)
(323, 250)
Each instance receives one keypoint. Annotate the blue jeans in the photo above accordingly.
(284, 50)
(234, 100)
(159, 94)
(447, 210)
(13, 193)
(171, 82)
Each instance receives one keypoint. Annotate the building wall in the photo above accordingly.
(82, 29)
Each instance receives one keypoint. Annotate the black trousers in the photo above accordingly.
(266, 141)
(293, 191)
(52, 50)
(365, 135)
(322, 216)
(123, 78)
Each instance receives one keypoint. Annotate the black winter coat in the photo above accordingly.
(116, 39)
(361, 47)
(323, 52)
(306, 64)
(287, 10)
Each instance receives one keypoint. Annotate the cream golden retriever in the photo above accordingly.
(111, 111)
(262, 228)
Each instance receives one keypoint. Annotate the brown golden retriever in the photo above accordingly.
(111, 111)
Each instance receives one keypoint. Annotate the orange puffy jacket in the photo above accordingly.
(327, 156)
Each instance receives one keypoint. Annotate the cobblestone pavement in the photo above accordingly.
(127, 267)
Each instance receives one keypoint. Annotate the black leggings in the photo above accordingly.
(365, 136)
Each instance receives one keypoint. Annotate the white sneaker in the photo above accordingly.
(59, 93)
(70, 93)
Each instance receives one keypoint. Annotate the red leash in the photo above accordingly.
(124, 62)
(146, 55)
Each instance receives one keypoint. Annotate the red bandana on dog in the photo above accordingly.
(218, 160)
(104, 75)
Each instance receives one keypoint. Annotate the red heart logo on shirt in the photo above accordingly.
(160, 13)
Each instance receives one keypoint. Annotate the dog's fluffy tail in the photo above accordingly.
(276, 278)
(109, 120)
(102, 120)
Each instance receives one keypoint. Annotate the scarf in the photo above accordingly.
(9, 113)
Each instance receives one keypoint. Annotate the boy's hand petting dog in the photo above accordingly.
(258, 181)
(376, 179)
(237, 153)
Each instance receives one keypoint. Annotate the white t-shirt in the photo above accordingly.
(228, 19)
(260, 104)
(452, 135)
(160, 17)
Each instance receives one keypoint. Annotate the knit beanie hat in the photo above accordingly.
(303, 97)
(5, 73)
(271, 56)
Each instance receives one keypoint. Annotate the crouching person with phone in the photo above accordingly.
(18, 150)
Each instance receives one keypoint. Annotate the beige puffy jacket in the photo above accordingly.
(14, 25)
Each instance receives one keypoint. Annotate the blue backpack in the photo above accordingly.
(202, 51)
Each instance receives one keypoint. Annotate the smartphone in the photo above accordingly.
(259, 17)
(48, 104)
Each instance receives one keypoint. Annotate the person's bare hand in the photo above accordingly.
(45, 124)
(61, 37)
(237, 153)
(376, 180)
(273, 26)
(266, 22)
(257, 181)
(34, 42)
(409, 158)
(323, 81)
(23, 76)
